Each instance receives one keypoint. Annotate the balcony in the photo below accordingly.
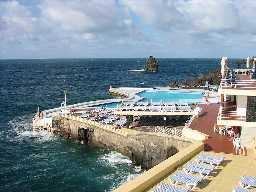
(238, 82)
(229, 116)
(237, 87)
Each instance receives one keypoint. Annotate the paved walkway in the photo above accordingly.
(229, 174)
(226, 176)
(205, 124)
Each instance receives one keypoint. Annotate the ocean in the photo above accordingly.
(42, 162)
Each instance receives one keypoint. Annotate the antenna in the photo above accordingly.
(64, 103)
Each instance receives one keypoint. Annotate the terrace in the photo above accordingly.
(154, 109)
(235, 88)
(205, 123)
(238, 82)
(232, 114)
(224, 177)
(229, 111)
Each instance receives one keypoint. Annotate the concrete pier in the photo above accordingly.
(143, 148)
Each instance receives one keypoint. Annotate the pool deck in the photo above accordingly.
(205, 124)
(153, 113)
(227, 175)
(131, 92)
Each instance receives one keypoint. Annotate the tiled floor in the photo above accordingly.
(205, 124)
(226, 176)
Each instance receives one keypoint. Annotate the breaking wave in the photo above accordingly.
(20, 128)
(115, 158)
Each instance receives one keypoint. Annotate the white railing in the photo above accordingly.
(96, 124)
(196, 112)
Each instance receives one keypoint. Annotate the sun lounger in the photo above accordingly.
(240, 189)
(198, 168)
(210, 159)
(169, 188)
(187, 179)
(248, 181)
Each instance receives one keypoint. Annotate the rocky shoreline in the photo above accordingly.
(213, 78)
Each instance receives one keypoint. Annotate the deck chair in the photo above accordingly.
(240, 189)
(198, 168)
(169, 188)
(187, 179)
(248, 181)
(212, 160)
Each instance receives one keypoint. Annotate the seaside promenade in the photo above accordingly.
(225, 177)
(198, 136)
(227, 160)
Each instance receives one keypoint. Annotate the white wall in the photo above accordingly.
(241, 104)
(248, 135)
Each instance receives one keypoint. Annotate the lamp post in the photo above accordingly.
(164, 118)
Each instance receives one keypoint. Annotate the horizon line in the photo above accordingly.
(60, 58)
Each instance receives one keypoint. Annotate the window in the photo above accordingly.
(251, 109)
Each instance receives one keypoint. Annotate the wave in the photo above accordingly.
(136, 70)
(124, 179)
(115, 158)
(20, 128)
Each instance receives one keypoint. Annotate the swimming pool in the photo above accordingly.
(175, 96)
(112, 105)
(171, 96)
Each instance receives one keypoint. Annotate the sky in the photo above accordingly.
(127, 28)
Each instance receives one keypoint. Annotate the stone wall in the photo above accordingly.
(145, 149)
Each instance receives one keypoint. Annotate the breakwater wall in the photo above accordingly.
(145, 149)
(153, 176)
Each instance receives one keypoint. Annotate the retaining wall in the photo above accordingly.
(145, 149)
(153, 176)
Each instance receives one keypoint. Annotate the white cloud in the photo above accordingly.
(165, 26)
(210, 15)
(193, 15)
(83, 16)
(160, 13)
(16, 21)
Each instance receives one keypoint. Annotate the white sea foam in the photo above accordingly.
(136, 70)
(115, 158)
(21, 129)
(137, 169)
(125, 179)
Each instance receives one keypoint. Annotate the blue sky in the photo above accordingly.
(127, 28)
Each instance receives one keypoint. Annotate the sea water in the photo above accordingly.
(32, 161)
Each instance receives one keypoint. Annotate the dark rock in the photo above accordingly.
(212, 77)
(151, 65)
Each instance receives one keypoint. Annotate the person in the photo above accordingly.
(239, 147)
(230, 132)
(206, 99)
(243, 148)
(254, 146)
(237, 144)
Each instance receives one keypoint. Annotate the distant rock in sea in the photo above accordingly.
(151, 65)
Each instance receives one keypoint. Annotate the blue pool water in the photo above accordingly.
(171, 96)
(113, 105)
(162, 96)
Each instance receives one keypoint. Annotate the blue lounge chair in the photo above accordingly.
(210, 159)
(187, 179)
(203, 170)
(240, 189)
(169, 188)
(248, 181)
